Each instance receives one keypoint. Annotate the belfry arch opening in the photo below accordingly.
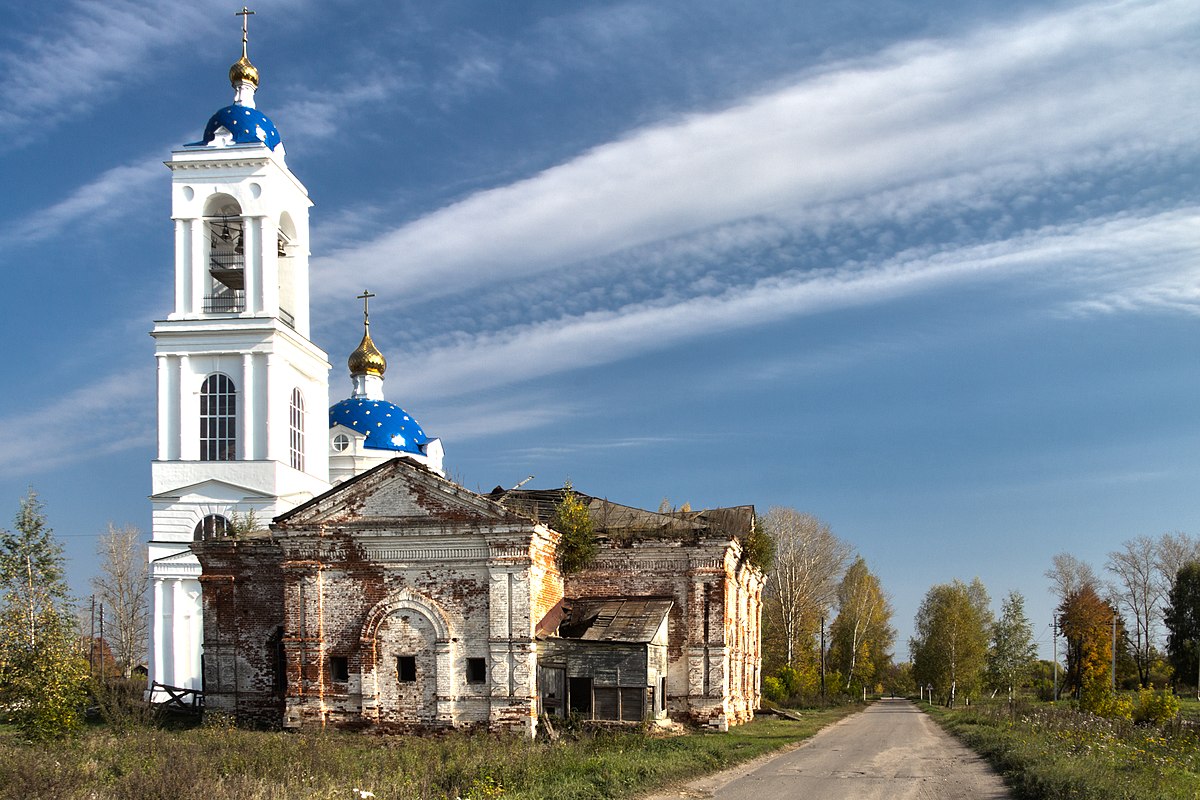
(286, 248)
(226, 261)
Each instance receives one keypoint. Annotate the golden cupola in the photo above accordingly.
(243, 71)
(366, 358)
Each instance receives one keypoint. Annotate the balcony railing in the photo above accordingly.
(231, 302)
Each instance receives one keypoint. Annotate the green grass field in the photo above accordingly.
(223, 764)
(1052, 752)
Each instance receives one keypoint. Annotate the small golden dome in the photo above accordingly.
(366, 359)
(243, 72)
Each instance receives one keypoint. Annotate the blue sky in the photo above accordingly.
(930, 271)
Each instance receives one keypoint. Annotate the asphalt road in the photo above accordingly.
(891, 750)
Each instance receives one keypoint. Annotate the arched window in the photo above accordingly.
(211, 527)
(296, 439)
(218, 419)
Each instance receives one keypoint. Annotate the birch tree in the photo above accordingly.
(1140, 591)
(1069, 576)
(122, 585)
(862, 635)
(1013, 652)
(809, 560)
(951, 643)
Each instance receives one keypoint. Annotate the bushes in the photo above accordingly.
(1155, 708)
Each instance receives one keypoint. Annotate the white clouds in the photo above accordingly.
(931, 124)
(114, 193)
(107, 416)
(1124, 257)
(94, 46)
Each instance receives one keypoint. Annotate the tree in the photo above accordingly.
(1086, 622)
(577, 547)
(802, 584)
(861, 634)
(1174, 551)
(1070, 575)
(1182, 619)
(951, 642)
(1013, 652)
(1139, 591)
(121, 587)
(42, 673)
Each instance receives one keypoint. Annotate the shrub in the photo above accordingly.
(1113, 706)
(1154, 707)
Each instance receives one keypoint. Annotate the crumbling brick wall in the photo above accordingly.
(713, 627)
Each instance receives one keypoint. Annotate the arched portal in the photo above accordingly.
(407, 663)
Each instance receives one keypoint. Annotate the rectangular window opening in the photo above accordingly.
(406, 669)
(476, 670)
(339, 668)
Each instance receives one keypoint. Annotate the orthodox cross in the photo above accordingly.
(365, 297)
(245, 15)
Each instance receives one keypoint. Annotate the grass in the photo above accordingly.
(223, 763)
(1051, 751)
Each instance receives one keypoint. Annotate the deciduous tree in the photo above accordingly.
(1013, 652)
(1174, 552)
(949, 649)
(1139, 591)
(809, 561)
(121, 586)
(577, 547)
(862, 635)
(1069, 575)
(1086, 621)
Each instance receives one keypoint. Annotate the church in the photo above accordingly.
(313, 566)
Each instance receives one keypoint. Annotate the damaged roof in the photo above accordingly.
(620, 521)
(617, 620)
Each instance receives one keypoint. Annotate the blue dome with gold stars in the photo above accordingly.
(387, 425)
(248, 126)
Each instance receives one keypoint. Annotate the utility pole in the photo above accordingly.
(1054, 629)
(823, 658)
(92, 640)
(1114, 654)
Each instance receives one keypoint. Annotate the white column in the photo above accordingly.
(166, 633)
(252, 269)
(277, 429)
(174, 407)
(268, 265)
(249, 415)
(182, 266)
(198, 265)
(181, 635)
(157, 632)
(195, 633)
(189, 412)
(163, 364)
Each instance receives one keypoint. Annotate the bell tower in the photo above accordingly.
(241, 388)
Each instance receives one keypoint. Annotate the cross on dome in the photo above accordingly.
(243, 75)
(365, 297)
(245, 14)
(366, 360)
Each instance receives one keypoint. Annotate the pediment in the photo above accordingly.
(400, 491)
(213, 491)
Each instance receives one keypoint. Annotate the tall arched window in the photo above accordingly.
(296, 439)
(218, 419)
(211, 527)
